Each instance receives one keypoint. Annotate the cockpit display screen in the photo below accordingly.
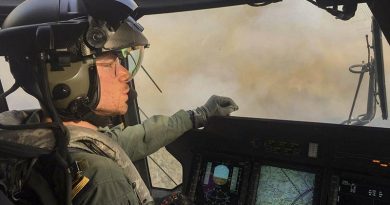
(285, 186)
(219, 183)
(356, 192)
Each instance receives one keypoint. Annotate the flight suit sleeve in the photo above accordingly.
(143, 139)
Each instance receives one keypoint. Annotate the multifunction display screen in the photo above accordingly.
(361, 192)
(219, 183)
(284, 187)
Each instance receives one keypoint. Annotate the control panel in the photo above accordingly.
(260, 162)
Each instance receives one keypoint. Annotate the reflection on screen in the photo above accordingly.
(284, 187)
(220, 184)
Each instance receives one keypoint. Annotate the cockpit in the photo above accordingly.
(289, 69)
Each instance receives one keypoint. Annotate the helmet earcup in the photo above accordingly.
(74, 89)
(61, 91)
(81, 106)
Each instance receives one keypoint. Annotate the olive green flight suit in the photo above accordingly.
(108, 184)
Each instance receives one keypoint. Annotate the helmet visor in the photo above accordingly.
(133, 58)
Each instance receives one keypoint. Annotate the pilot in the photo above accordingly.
(70, 55)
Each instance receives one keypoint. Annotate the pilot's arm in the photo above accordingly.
(144, 139)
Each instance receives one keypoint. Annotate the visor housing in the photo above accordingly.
(102, 37)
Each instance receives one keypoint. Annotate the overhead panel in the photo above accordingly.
(147, 7)
(6, 6)
(379, 8)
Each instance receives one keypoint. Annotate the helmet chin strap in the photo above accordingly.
(79, 108)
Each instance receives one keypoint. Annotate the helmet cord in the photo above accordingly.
(60, 132)
(14, 87)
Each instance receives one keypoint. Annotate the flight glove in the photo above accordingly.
(215, 106)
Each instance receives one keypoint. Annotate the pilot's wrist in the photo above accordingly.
(192, 118)
(198, 117)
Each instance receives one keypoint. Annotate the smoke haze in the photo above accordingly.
(285, 61)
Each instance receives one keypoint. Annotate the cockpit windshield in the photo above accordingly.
(283, 61)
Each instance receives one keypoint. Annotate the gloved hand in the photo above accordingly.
(215, 106)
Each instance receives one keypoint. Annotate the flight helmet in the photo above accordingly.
(52, 45)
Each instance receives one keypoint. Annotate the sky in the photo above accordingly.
(284, 61)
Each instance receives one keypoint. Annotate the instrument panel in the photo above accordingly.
(261, 162)
(228, 181)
